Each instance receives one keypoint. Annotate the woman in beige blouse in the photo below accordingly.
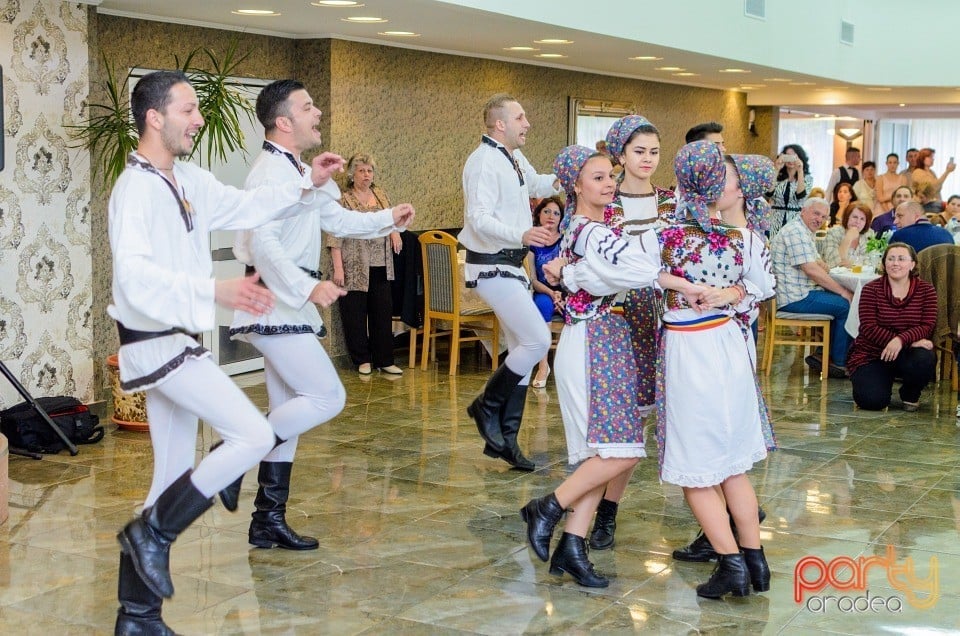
(925, 174)
(365, 268)
(887, 183)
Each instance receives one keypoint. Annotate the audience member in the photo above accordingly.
(804, 284)
(847, 173)
(898, 313)
(914, 229)
(842, 196)
(865, 188)
(707, 131)
(887, 183)
(848, 238)
(885, 222)
(950, 212)
(547, 297)
(924, 173)
(792, 188)
(911, 158)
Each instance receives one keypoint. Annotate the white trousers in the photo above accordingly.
(527, 335)
(199, 389)
(302, 385)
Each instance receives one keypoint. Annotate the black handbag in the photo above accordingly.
(26, 430)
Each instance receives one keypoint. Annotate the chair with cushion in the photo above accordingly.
(777, 320)
(940, 266)
(442, 299)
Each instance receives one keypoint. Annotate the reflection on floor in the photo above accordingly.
(419, 532)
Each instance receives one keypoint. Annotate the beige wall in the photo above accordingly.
(418, 113)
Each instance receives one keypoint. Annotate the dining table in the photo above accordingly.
(853, 281)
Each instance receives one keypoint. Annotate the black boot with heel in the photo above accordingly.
(757, 566)
(139, 613)
(485, 409)
(542, 516)
(604, 525)
(729, 577)
(571, 557)
(269, 528)
(511, 415)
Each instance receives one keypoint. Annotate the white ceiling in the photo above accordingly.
(450, 27)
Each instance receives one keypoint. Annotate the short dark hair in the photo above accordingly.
(913, 150)
(272, 101)
(869, 164)
(893, 154)
(851, 149)
(700, 131)
(152, 92)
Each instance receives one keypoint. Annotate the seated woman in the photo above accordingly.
(950, 213)
(843, 196)
(844, 240)
(898, 312)
(547, 297)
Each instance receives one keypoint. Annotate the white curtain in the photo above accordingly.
(816, 137)
(943, 135)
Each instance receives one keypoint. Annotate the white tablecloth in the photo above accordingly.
(854, 282)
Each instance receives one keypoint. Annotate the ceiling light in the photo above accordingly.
(550, 55)
(553, 41)
(734, 70)
(646, 58)
(750, 86)
(902, 105)
(400, 34)
(803, 83)
(364, 19)
(879, 88)
(775, 79)
(670, 68)
(262, 13)
(686, 74)
(520, 48)
(849, 133)
(336, 3)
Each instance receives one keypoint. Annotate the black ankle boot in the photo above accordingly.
(699, 551)
(571, 557)
(730, 576)
(269, 525)
(757, 566)
(511, 414)
(139, 613)
(604, 525)
(147, 539)
(541, 516)
(485, 409)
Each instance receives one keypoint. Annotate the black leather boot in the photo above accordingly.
(604, 525)
(571, 557)
(700, 550)
(230, 496)
(730, 576)
(485, 409)
(269, 525)
(511, 414)
(147, 539)
(139, 613)
(757, 566)
(541, 516)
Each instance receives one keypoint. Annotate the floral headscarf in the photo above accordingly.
(567, 167)
(621, 130)
(757, 176)
(701, 173)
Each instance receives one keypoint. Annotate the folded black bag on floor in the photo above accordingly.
(25, 429)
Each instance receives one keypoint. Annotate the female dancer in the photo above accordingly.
(596, 374)
(635, 143)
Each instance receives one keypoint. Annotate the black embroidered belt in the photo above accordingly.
(312, 273)
(129, 336)
(503, 257)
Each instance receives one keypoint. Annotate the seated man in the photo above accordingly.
(804, 285)
(914, 229)
(887, 221)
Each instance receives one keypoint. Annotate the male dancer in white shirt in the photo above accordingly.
(498, 182)
(161, 213)
(302, 385)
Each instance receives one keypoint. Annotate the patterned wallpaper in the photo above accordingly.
(45, 249)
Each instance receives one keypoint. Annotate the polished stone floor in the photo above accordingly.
(419, 532)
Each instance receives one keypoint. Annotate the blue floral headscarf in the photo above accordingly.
(756, 175)
(701, 173)
(620, 132)
(567, 167)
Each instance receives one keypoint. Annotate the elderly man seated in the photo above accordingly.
(804, 285)
(914, 229)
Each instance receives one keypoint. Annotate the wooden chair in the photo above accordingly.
(940, 266)
(804, 322)
(442, 286)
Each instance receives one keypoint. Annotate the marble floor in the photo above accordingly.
(419, 532)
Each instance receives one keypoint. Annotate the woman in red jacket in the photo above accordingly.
(898, 312)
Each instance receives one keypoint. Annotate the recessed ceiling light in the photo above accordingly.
(364, 19)
(686, 74)
(551, 55)
(879, 88)
(400, 34)
(262, 13)
(553, 41)
(775, 79)
(645, 58)
(734, 70)
(749, 86)
(520, 48)
(902, 105)
(816, 115)
(803, 83)
(336, 3)
(670, 68)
